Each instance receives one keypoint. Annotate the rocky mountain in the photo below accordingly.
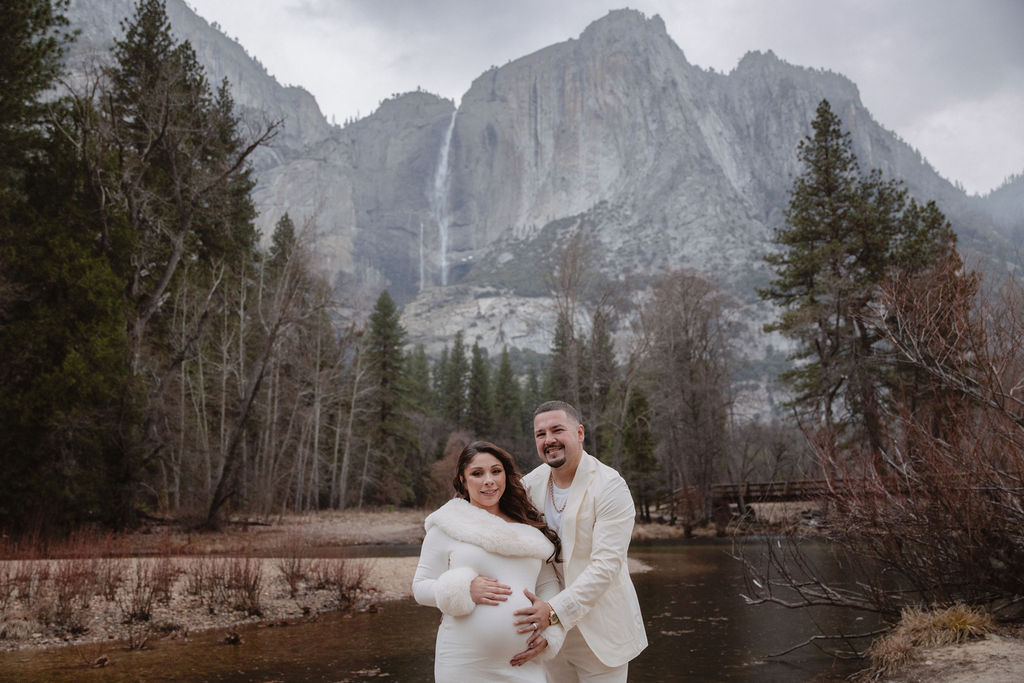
(662, 165)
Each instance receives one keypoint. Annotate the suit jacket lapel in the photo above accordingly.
(537, 493)
(577, 492)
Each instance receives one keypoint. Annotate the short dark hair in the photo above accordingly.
(570, 411)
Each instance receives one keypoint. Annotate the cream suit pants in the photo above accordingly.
(577, 662)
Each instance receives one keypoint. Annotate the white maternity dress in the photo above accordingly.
(476, 642)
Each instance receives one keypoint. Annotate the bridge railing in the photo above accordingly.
(771, 491)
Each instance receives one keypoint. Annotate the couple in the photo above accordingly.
(536, 563)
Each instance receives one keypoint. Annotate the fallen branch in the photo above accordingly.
(812, 639)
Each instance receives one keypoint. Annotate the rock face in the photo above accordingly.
(660, 164)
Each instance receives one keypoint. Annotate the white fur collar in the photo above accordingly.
(467, 523)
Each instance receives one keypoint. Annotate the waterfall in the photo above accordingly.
(421, 255)
(439, 198)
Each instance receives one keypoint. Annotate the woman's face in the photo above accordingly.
(484, 477)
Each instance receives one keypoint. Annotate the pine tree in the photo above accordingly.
(563, 379)
(385, 355)
(62, 357)
(168, 175)
(507, 401)
(32, 42)
(62, 345)
(598, 372)
(417, 381)
(170, 161)
(479, 400)
(385, 478)
(640, 466)
(845, 233)
(533, 396)
(282, 242)
(438, 376)
(456, 376)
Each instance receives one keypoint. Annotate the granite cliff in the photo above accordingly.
(457, 209)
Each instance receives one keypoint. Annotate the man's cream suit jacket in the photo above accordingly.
(597, 523)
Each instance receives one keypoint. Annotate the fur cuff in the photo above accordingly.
(555, 635)
(451, 591)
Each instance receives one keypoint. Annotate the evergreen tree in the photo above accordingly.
(385, 428)
(640, 466)
(562, 381)
(170, 159)
(845, 233)
(168, 176)
(385, 357)
(62, 356)
(282, 243)
(61, 322)
(417, 381)
(479, 403)
(32, 42)
(507, 401)
(598, 372)
(532, 397)
(456, 375)
(438, 376)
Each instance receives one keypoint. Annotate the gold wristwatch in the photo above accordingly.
(552, 617)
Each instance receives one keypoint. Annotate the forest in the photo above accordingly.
(159, 359)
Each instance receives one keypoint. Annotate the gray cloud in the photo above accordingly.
(924, 67)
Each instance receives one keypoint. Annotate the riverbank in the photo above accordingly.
(169, 583)
(996, 658)
(289, 570)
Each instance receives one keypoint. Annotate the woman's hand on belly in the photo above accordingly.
(487, 591)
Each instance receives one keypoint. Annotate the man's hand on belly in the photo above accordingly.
(534, 646)
(536, 617)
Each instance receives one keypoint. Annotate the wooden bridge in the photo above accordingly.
(726, 497)
(773, 491)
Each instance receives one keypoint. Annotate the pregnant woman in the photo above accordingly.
(483, 557)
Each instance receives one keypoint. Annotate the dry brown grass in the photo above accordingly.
(285, 568)
(920, 629)
(265, 536)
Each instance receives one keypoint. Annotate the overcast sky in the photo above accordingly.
(946, 75)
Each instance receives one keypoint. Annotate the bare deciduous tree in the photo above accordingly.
(687, 377)
(939, 520)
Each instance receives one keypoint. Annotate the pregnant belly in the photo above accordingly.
(489, 630)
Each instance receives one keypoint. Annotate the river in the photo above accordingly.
(699, 627)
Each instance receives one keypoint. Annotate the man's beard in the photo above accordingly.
(558, 460)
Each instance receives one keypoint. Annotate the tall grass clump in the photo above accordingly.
(919, 629)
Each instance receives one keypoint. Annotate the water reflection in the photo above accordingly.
(699, 629)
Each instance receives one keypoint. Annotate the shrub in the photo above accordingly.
(292, 564)
(72, 582)
(136, 598)
(109, 576)
(245, 585)
(344, 578)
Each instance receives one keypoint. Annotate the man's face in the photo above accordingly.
(559, 438)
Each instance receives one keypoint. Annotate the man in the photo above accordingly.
(589, 505)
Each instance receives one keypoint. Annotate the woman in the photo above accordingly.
(481, 554)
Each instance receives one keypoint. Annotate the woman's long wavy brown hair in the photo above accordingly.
(514, 501)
